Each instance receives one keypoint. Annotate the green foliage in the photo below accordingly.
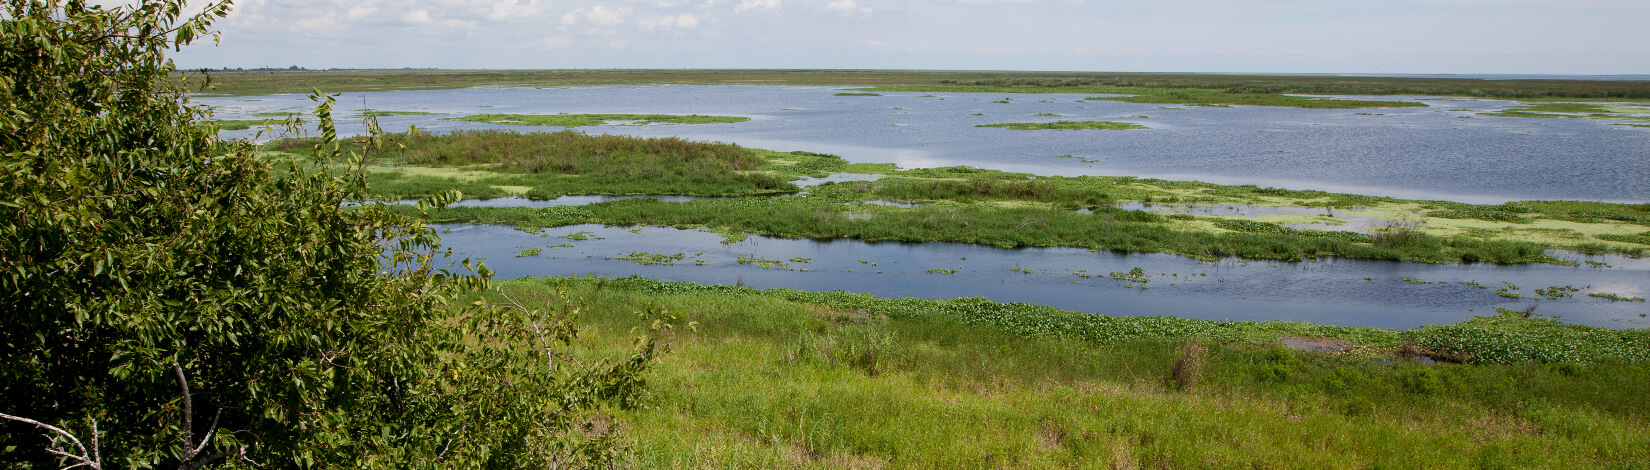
(173, 299)
(582, 120)
(642, 257)
(793, 366)
(382, 113)
(1613, 297)
(1493, 216)
(1066, 125)
(241, 124)
(553, 164)
(1509, 337)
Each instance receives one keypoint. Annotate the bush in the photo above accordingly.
(172, 299)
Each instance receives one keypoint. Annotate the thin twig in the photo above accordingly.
(549, 354)
(92, 461)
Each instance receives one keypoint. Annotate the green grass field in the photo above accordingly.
(790, 379)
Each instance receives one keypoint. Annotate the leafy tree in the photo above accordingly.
(173, 299)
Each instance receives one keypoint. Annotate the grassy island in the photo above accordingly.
(970, 205)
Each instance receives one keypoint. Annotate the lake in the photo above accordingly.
(1444, 151)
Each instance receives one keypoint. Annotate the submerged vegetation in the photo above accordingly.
(1205, 97)
(1066, 125)
(584, 120)
(1574, 110)
(841, 380)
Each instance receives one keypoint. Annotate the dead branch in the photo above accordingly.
(86, 459)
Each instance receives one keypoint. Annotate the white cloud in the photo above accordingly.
(683, 21)
(557, 42)
(847, 6)
(597, 15)
(360, 12)
(416, 17)
(756, 5)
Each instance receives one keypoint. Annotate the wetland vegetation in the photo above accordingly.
(584, 120)
(1066, 125)
(1574, 110)
(149, 257)
(269, 82)
(786, 378)
(968, 205)
(546, 165)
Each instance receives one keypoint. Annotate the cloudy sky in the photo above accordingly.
(1283, 36)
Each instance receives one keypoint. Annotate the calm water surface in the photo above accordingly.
(1327, 291)
(1443, 151)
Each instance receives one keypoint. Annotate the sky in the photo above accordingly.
(1584, 37)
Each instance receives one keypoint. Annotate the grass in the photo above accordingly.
(1066, 125)
(384, 113)
(973, 205)
(1565, 110)
(241, 124)
(1105, 229)
(546, 165)
(584, 120)
(1018, 210)
(784, 378)
(270, 82)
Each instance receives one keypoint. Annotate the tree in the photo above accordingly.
(173, 299)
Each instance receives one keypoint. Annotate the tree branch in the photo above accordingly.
(188, 419)
(191, 449)
(90, 460)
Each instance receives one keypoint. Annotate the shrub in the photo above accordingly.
(173, 299)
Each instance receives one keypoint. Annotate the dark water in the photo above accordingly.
(1327, 291)
(1430, 153)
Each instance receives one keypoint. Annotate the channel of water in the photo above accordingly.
(1330, 291)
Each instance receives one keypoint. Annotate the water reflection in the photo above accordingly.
(1331, 291)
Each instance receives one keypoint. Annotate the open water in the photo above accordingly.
(1444, 151)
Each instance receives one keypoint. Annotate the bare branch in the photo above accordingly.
(188, 419)
(191, 449)
(248, 459)
(209, 432)
(549, 354)
(90, 460)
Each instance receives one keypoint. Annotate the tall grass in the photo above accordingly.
(552, 164)
(1104, 229)
(793, 379)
